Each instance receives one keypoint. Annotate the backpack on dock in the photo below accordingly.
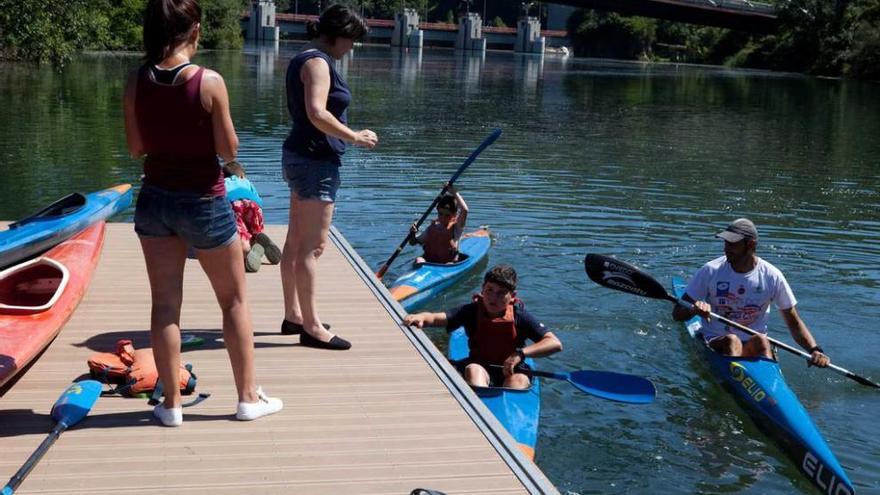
(134, 373)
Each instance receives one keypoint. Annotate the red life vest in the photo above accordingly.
(440, 244)
(495, 338)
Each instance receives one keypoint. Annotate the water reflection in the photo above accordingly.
(469, 69)
(529, 68)
(267, 60)
(638, 160)
(407, 63)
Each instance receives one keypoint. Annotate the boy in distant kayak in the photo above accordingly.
(247, 206)
(497, 326)
(740, 286)
(440, 239)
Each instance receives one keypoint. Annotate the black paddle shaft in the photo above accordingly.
(470, 159)
(620, 275)
(32, 461)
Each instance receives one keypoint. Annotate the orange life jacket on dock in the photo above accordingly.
(440, 244)
(134, 371)
(496, 337)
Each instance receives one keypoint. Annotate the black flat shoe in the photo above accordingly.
(335, 344)
(290, 328)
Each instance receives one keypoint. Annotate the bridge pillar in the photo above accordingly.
(261, 26)
(528, 36)
(406, 29)
(470, 33)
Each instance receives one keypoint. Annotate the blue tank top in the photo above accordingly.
(305, 139)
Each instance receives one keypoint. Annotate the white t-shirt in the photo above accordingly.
(742, 297)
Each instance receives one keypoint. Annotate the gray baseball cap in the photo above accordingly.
(739, 229)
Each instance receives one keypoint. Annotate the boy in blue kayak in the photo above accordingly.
(440, 239)
(248, 208)
(740, 286)
(497, 326)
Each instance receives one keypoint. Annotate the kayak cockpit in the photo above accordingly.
(32, 287)
(63, 207)
(462, 257)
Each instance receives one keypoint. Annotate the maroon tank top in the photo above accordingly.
(178, 136)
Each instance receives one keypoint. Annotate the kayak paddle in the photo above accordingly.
(73, 405)
(619, 275)
(485, 144)
(619, 387)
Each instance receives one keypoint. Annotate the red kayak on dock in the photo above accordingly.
(38, 296)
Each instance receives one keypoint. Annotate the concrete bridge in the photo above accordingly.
(262, 23)
(406, 30)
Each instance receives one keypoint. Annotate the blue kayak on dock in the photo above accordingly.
(517, 410)
(430, 279)
(60, 221)
(758, 385)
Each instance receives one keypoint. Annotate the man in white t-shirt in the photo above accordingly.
(740, 286)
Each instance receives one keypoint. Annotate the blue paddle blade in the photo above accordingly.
(618, 387)
(76, 402)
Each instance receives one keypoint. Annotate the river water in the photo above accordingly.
(641, 161)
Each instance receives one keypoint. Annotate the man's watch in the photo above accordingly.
(816, 348)
(519, 352)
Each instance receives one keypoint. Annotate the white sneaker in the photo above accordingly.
(168, 417)
(249, 411)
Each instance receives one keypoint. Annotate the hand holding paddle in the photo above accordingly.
(619, 275)
(473, 156)
(73, 405)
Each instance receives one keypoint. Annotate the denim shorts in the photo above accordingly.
(204, 222)
(311, 178)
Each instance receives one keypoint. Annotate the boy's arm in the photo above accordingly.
(548, 345)
(416, 237)
(421, 320)
(544, 343)
(462, 213)
(545, 346)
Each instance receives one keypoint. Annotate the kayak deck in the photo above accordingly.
(430, 279)
(517, 410)
(39, 296)
(759, 387)
(59, 221)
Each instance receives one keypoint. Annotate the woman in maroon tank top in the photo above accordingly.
(177, 118)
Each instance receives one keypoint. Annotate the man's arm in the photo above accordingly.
(681, 313)
(803, 337)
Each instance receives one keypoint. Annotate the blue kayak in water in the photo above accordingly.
(517, 410)
(758, 385)
(430, 279)
(60, 221)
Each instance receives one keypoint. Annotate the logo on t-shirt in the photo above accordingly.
(721, 289)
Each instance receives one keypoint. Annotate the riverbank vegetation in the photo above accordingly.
(821, 37)
(51, 31)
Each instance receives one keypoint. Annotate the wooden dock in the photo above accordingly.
(385, 417)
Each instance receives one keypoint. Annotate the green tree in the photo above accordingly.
(221, 23)
(45, 30)
(609, 35)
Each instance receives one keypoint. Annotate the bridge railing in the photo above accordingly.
(740, 5)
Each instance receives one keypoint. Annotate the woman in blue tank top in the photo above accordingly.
(317, 98)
